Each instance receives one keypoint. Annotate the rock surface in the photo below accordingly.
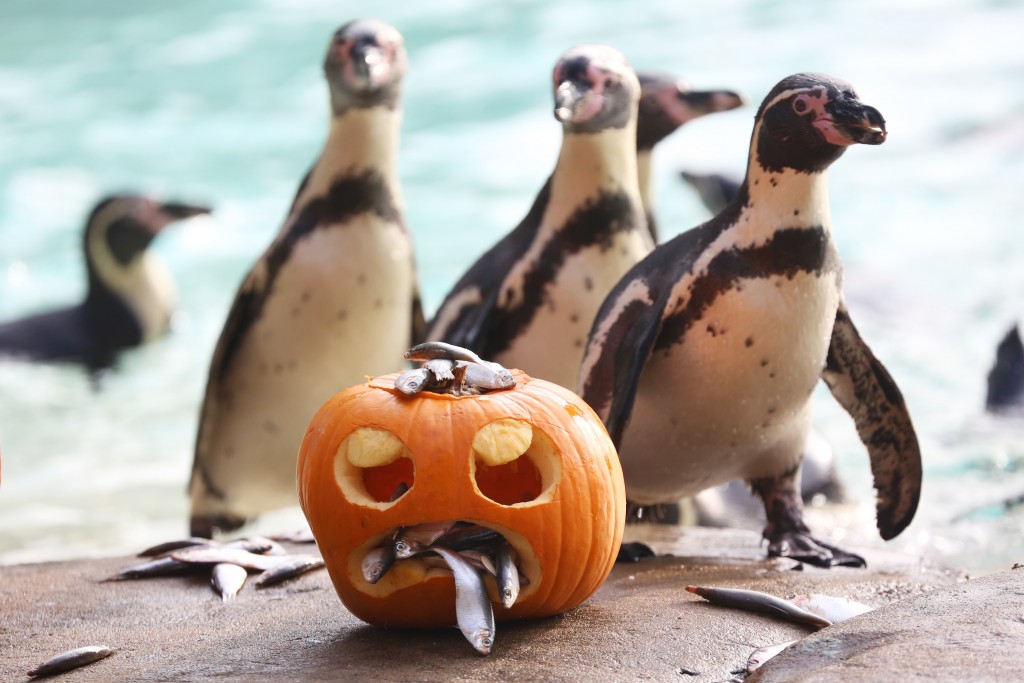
(641, 625)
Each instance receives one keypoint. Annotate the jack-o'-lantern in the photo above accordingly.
(532, 463)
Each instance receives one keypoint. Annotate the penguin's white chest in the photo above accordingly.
(731, 398)
(551, 345)
(339, 310)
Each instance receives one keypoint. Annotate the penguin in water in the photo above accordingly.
(703, 359)
(130, 297)
(528, 302)
(333, 298)
(1005, 393)
(667, 103)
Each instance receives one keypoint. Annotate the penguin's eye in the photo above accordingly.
(800, 104)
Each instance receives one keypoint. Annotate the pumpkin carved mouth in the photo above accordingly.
(406, 555)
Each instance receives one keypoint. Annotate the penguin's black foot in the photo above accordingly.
(634, 552)
(803, 547)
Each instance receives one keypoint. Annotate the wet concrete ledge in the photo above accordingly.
(641, 625)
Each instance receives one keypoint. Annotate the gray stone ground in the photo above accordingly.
(640, 626)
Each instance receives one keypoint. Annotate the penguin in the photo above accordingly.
(703, 358)
(528, 302)
(716, 190)
(334, 297)
(666, 103)
(1005, 391)
(130, 294)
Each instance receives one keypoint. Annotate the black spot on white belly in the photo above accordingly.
(790, 251)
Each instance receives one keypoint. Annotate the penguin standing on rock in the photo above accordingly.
(703, 359)
(131, 294)
(528, 302)
(333, 298)
(666, 104)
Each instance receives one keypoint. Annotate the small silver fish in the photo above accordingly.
(508, 575)
(72, 659)
(757, 601)
(473, 609)
(404, 549)
(487, 375)
(480, 561)
(227, 579)
(243, 558)
(170, 546)
(296, 565)
(433, 349)
(833, 608)
(261, 545)
(377, 562)
(412, 382)
(762, 655)
(162, 566)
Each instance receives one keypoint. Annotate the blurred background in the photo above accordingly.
(224, 103)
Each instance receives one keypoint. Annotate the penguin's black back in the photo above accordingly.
(1006, 378)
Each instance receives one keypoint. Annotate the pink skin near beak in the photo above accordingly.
(838, 135)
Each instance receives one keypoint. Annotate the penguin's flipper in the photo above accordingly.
(868, 393)
(621, 340)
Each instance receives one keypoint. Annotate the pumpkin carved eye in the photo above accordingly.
(515, 463)
(373, 467)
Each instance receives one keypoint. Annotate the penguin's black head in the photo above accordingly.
(808, 120)
(124, 225)
(595, 89)
(667, 103)
(364, 66)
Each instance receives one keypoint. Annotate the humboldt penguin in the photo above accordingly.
(1005, 391)
(667, 103)
(528, 302)
(130, 295)
(333, 299)
(703, 358)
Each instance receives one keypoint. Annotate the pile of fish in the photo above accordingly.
(450, 369)
(469, 551)
(228, 563)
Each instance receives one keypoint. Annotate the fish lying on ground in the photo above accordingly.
(228, 563)
(227, 579)
(289, 569)
(815, 610)
(72, 659)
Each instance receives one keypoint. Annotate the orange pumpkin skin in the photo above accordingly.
(567, 538)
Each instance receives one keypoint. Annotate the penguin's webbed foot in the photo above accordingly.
(786, 533)
(803, 547)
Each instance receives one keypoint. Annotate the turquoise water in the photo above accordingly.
(224, 103)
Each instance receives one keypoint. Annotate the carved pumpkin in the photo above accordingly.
(533, 463)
